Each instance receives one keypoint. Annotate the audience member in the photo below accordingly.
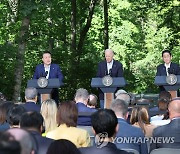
(62, 146)
(31, 100)
(140, 118)
(105, 126)
(14, 115)
(27, 142)
(67, 121)
(81, 99)
(123, 95)
(168, 136)
(127, 131)
(92, 101)
(33, 122)
(49, 112)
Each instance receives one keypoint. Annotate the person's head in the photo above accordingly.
(164, 99)
(49, 112)
(27, 142)
(14, 115)
(67, 114)
(104, 121)
(140, 115)
(81, 95)
(123, 95)
(32, 121)
(109, 54)
(62, 146)
(31, 94)
(120, 108)
(92, 101)
(46, 58)
(174, 108)
(8, 145)
(166, 56)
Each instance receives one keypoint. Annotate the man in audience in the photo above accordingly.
(81, 99)
(31, 100)
(92, 101)
(168, 136)
(33, 122)
(123, 95)
(27, 142)
(127, 131)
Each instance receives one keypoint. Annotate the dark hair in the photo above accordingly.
(62, 146)
(46, 51)
(67, 114)
(166, 51)
(31, 120)
(14, 114)
(104, 121)
(8, 145)
(164, 99)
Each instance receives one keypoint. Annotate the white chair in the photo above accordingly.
(165, 151)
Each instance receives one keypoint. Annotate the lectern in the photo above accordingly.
(45, 93)
(161, 81)
(108, 90)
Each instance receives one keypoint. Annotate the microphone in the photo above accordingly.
(46, 73)
(110, 71)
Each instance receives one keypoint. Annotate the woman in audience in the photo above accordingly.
(62, 146)
(67, 121)
(140, 118)
(49, 112)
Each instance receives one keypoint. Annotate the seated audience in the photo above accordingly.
(81, 99)
(123, 95)
(27, 142)
(62, 146)
(67, 115)
(169, 135)
(92, 101)
(140, 118)
(31, 100)
(49, 112)
(127, 131)
(33, 122)
(14, 115)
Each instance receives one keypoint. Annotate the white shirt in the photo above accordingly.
(47, 69)
(167, 67)
(109, 66)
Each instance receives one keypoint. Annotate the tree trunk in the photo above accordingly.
(20, 58)
(106, 35)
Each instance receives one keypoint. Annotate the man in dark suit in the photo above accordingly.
(105, 125)
(33, 122)
(168, 136)
(127, 131)
(50, 71)
(168, 67)
(31, 100)
(108, 67)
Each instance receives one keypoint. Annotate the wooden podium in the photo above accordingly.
(45, 93)
(108, 90)
(161, 81)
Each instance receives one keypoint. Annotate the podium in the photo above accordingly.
(108, 90)
(45, 93)
(161, 81)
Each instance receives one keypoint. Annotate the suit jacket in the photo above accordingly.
(42, 142)
(84, 120)
(170, 131)
(55, 72)
(127, 131)
(110, 148)
(77, 136)
(31, 106)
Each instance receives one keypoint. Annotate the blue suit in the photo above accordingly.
(84, 120)
(31, 106)
(127, 131)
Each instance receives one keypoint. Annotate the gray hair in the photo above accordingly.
(31, 93)
(123, 95)
(119, 106)
(81, 93)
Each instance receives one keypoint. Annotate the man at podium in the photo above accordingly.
(108, 67)
(50, 71)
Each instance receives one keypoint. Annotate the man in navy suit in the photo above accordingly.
(127, 131)
(108, 67)
(168, 67)
(168, 136)
(50, 71)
